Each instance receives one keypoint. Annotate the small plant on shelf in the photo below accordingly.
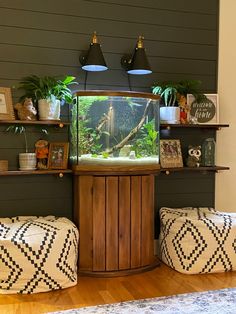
(19, 129)
(174, 94)
(27, 160)
(49, 92)
(171, 91)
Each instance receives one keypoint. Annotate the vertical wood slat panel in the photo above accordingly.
(147, 220)
(112, 223)
(99, 239)
(136, 221)
(85, 213)
(124, 222)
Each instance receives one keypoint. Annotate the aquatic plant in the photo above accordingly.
(146, 144)
(88, 138)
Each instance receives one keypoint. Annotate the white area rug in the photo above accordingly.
(210, 302)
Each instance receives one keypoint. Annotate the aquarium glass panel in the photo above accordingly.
(116, 129)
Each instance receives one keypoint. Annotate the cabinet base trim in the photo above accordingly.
(120, 273)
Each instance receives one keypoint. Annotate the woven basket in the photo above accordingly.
(3, 165)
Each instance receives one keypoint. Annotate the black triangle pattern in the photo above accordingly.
(197, 240)
(35, 241)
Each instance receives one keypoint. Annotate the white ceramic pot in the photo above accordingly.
(170, 115)
(49, 109)
(27, 161)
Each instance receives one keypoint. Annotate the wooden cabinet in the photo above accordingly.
(114, 208)
(115, 215)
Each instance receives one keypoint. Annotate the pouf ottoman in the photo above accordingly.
(37, 254)
(197, 240)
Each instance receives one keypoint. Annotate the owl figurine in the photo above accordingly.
(194, 156)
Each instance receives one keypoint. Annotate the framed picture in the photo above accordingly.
(6, 106)
(170, 154)
(58, 155)
(205, 112)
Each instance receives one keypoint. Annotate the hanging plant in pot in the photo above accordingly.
(49, 92)
(27, 161)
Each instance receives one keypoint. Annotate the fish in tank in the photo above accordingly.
(115, 128)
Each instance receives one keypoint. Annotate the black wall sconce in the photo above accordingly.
(137, 63)
(93, 59)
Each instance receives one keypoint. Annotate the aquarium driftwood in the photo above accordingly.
(98, 129)
(133, 131)
(102, 122)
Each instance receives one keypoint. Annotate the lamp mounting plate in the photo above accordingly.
(126, 61)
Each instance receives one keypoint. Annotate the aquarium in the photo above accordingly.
(115, 128)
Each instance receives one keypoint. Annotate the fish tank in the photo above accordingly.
(114, 128)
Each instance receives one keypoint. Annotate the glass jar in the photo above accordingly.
(208, 152)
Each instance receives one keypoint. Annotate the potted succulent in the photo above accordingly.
(49, 92)
(173, 95)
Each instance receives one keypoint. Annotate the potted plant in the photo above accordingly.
(27, 161)
(49, 92)
(173, 95)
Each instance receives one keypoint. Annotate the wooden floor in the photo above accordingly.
(91, 291)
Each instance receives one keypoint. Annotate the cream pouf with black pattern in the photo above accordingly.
(37, 254)
(197, 240)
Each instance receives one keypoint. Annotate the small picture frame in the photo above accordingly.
(203, 113)
(170, 153)
(58, 155)
(6, 106)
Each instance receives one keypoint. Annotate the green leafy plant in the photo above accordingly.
(105, 155)
(20, 129)
(47, 87)
(88, 138)
(170, 91)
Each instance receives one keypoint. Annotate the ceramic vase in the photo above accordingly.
(170, 115)
(27, 161)
(49, 109)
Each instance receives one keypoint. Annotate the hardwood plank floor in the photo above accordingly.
(161, 281)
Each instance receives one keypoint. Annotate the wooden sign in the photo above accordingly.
(205, 112)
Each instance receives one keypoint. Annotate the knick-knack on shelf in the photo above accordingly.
(208, 152)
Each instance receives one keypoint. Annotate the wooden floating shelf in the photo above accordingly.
(60, 172)
(203, 126)
(189, 169)
(137, 170)
(37, 122)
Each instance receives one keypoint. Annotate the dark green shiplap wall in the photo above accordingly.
(47, 37)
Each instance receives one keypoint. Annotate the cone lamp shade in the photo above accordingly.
(93, 60)
(138, 64)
